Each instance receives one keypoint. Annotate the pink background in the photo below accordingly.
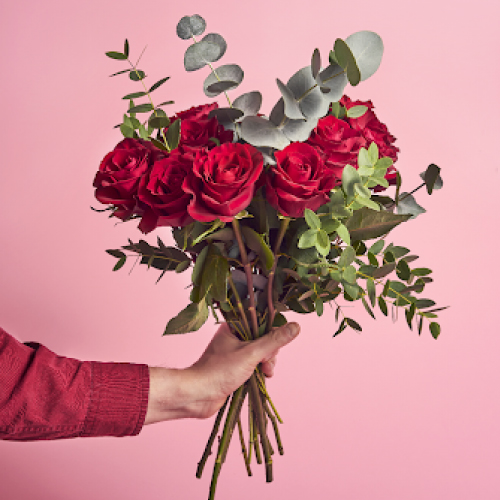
(381, 415)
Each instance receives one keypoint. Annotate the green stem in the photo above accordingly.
(211, 439)
(244, 448)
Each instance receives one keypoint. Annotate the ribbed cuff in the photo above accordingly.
(118, 399)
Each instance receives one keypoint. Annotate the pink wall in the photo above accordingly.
(384, 415)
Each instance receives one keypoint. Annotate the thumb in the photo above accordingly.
(267, 346)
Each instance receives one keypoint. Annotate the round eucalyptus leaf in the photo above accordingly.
(219, 87)
(334, 79)
(259, 131)
(301, 82)
(315, 63)
(226, 116)
(218, 40)
(367, 48)
(199, 54)
(277, 115)
(137, 75)
(299, 130)
(292, 109)
(189, 26)
(227, 73)
(249, 103)
(408, 205)
(312, 102)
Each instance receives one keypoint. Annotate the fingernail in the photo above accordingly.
(293, 329)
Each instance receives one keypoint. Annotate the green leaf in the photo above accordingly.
(356, 111)
(349, 274)
(120, 72)
(198, 266)
(347, 257)
(214, 277)
(420, 324)
(424, 303)
(346, 60)
(430, 177)
(256, 243)
(376, 247)
(382, 305)
(159, 122)
(137, 75)
(354, 324)
(141, 108)
(410, 313)
(329, 225)
(421, 271)
(318, 304)
(366, 224)
(159, 144)
(189, 319)
(384, 270)
(158, 83)
(370, 287)
(120, 263)
(372, 259)
(312, 220)
(360, 247)
(344, 234)
(308, 239)
(341, 328)
(435, 329)
(134, 95)
(174, 134)
(126, 48)
(351, 290)
(322, 243)
(350, 177)
(403, 270)
(126, 130)
(116, 55)
(368, 308)
(182, 266)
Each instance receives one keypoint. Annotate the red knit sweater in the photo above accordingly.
(45, 396)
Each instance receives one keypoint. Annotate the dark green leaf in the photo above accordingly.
(403, 270)
(126, 48)
(158, 83)
(345, 58)
(420, 324)
(372, 259)
(198, 266)
(159, 122)
(421, 271)
(120, 72)
(382, 305)
(116, 55)
(354, 324)
(164, 103)
(359, 247)
(159, 145)
(366, 224)
(384, 270)
(387, 286)
(189, 319)
(182, 266)
(137, 75)
(409, 313)
(435, 329)
(141, 108)
(430, 177)
(368, 308)
(341, 328)
(120, 263)
(214, 277)
(134, 95)
(424, 303)
(370, 287)
(116, 253)
(174, 134)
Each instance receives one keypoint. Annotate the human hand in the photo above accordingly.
(200, 390)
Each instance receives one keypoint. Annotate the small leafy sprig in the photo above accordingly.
(158, 119)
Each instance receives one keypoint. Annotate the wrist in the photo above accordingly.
(169, 395)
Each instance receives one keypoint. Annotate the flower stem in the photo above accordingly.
(243, 447)
(270, 280)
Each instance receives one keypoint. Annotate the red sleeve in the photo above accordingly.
(45, 396)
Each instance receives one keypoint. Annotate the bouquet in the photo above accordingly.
(271, 214)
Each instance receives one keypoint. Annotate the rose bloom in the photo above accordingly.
(337, 143)
(223, 181)
(373, 130)
(120, 172)
(162, 198)
(298, 181)
(197, 128)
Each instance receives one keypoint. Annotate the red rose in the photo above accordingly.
(197, 132)
(337, 143)
(222, 181)
(196, 113)
(298, 181)
(163, 200)
(373, 130)
(197, 128)
(119, 174)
